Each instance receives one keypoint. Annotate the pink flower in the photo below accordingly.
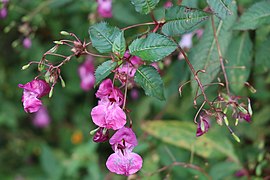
(203, 125)
(105, 8)
(186, 41)
(108, 91)
(41, 118)
(168, 4)
(108, 115)
(86, 73)
(123, 160)
(3, 13)
(27, 43)
(32, 91)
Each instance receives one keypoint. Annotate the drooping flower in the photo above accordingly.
(108, 113)
(123, 160)
(41, 118)
(203, 125)
(104, 8)
(86, 73)
(32, 92)
(27, 43)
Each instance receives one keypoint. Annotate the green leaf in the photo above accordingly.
(257, 15)
(50, 164)
(262, 55)
(144, 6)
(119, 45)
(205, 55)
(221, 8)
(104, 70)
(181, 19)
(102, 36)
(183, 135)
(149, 79)
(152, 48)
(239, 54)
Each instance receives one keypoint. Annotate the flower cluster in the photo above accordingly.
(86, 73)
(128, 70)
(104, 8)
(108, 113)
(123, 160)
(32, 92)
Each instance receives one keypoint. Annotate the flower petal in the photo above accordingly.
(126, 164)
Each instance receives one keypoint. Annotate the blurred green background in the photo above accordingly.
(64, 149)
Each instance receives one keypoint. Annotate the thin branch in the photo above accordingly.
(220, 56)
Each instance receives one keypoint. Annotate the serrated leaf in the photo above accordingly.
(144, 6)
(257, 15)
(149, 79)
(181, 19)
(262, 56)
(119, 45)
(221, 8)
(152, 48)
(183, 135)
(239, 54)
(205, 55)
(104, 70)
(102, 36)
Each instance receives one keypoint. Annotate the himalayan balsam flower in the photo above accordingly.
(41, 118)
(123, 160)
(104, 8)
(86, 73)
(27, 43)
(203, 125)
(32, 92)
(108, 113)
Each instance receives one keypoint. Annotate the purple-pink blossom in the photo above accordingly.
(123, 160)
(108, 113)
(104, 8)
(41, 118)
(27, 43)
(32, 92)
(3, 13)
(86, 73)
(203, 125)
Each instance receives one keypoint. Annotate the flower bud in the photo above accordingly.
(64, 33)
(25, 66)
(236, 137)
(51, 92)
(101, 135)
(58, 42)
